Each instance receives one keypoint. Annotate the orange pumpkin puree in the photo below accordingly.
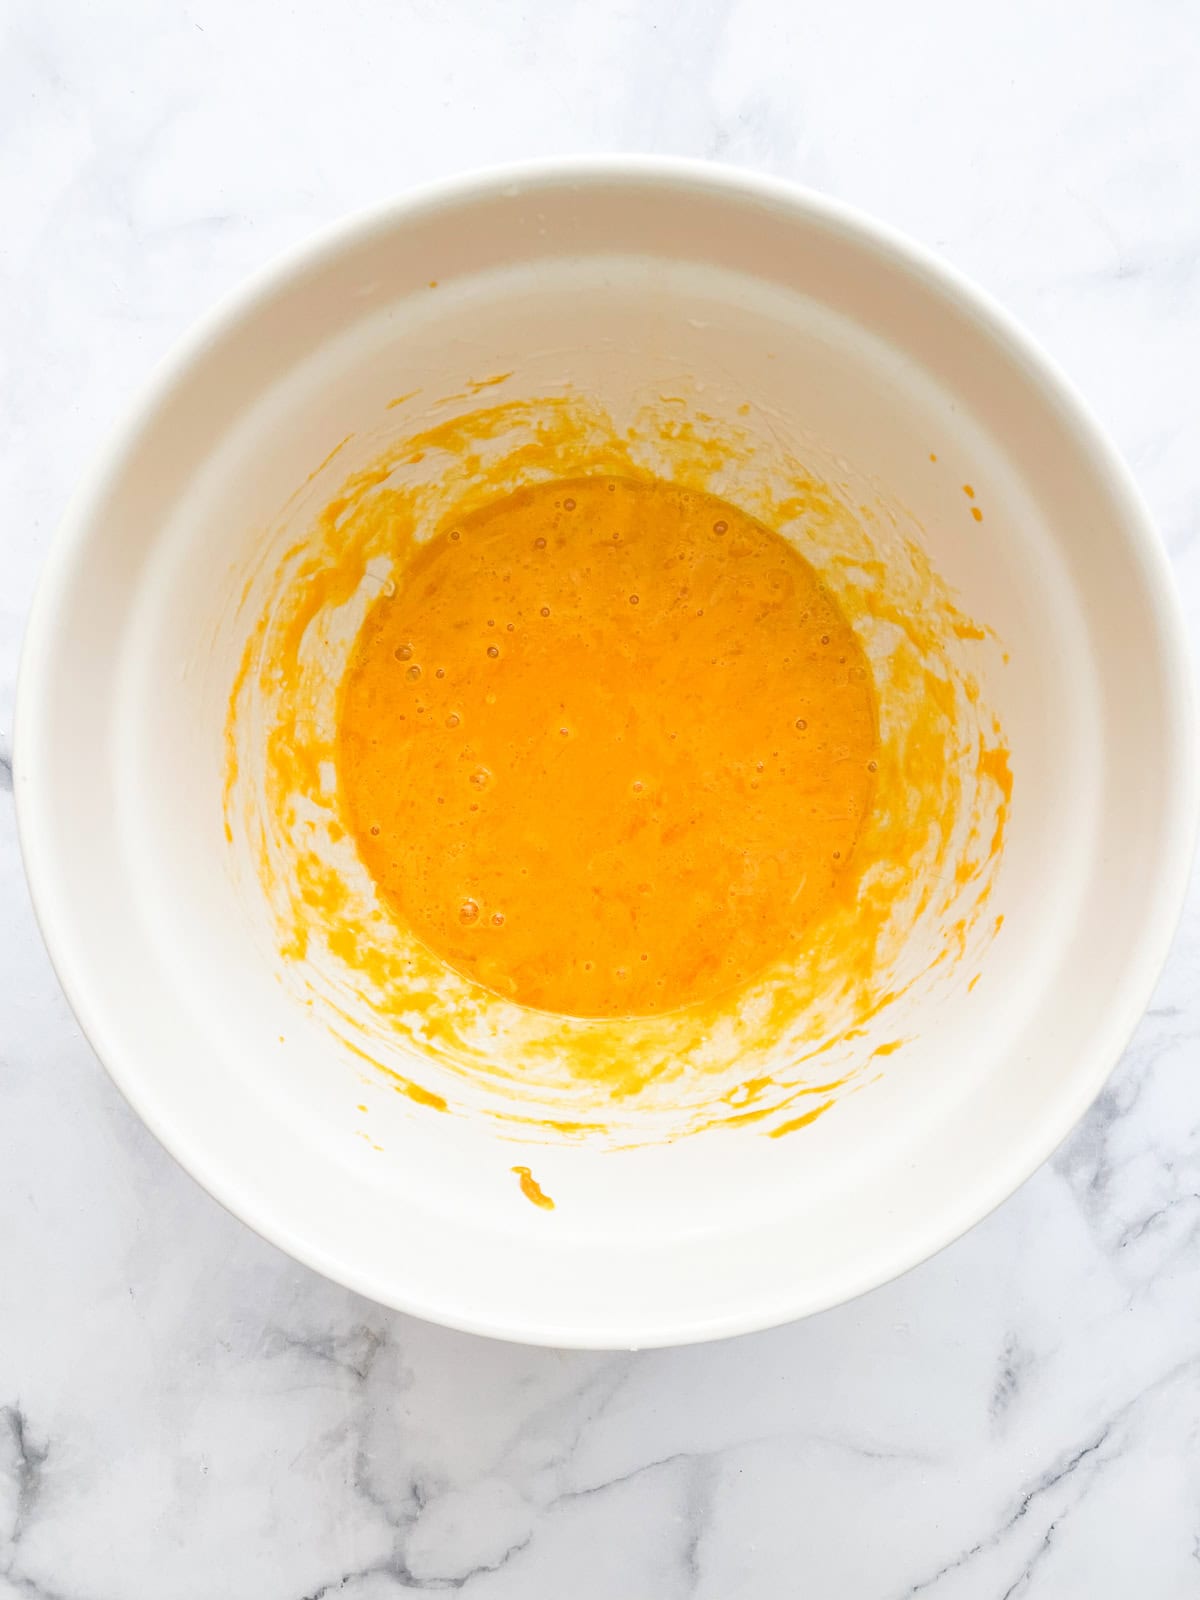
(607, 747)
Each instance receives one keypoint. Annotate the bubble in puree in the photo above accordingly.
(607, 747)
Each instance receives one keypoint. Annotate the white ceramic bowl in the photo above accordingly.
(854, 337)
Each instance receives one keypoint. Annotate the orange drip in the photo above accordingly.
(532, 1189)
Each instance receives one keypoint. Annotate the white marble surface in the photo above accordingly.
(184, 1413)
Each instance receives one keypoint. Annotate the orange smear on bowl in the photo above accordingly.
(467, 864)
(532, 1189)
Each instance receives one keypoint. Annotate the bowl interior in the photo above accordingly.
(622, 286)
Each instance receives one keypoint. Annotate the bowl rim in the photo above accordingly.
(1181, 804)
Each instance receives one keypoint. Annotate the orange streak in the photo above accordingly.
(801, 1122)
(532, 1189)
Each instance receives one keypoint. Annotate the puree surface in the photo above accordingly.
(607, 748)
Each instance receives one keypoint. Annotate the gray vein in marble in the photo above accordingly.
(701, 1471)
(352, 1352)
(1015, 1363)
(29, 1460)
(28, 1589)
(397, 1569)
(1139, 1229)
(1042, 1486)
(698, 1510)
(1089, 1455)
(1087, 1161)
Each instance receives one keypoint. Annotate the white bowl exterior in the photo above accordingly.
(617, 277)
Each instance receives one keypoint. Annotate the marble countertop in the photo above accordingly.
(184, 1412)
